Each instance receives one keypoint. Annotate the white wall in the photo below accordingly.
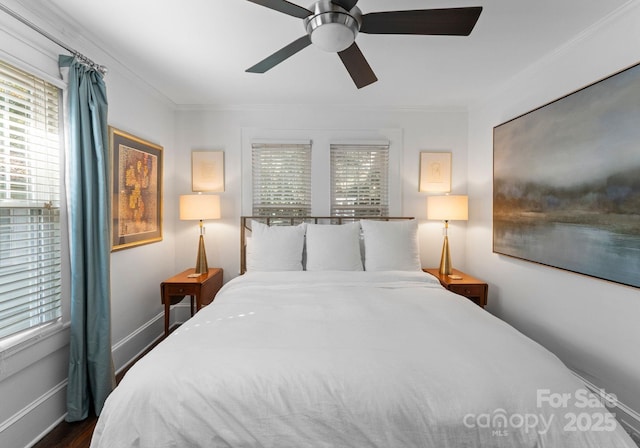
(33, 378)
(592, 325)
(589, 323)
(444, 130)
(136, 273)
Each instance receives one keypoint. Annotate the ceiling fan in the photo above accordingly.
(333, 25)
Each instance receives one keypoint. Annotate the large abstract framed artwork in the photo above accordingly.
(566, 187)
(137, 190)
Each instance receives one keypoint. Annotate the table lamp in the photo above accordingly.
(200, 207)
(447, 208)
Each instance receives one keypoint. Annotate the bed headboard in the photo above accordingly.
(245, 226)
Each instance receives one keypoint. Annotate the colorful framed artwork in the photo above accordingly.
(207, 171)
(137, 190)
(566, 187)
(435, 172)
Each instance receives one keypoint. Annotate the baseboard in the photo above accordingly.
(135, 343)
(51, 406)
(46, 431)
(181, 312)
(629, 419)
(14, 431)
(31, 406)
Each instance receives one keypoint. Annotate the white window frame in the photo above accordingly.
(347, 173)
(43, 201)
(269, 196)
(320, 164)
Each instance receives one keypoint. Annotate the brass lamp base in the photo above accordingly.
(445, 259)
(201, 261)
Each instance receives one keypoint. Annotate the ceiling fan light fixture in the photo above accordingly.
(332, 25)
(332, 31)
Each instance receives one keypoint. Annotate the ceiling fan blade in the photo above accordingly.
(271, 61)
(445, 22)
(284, 7)
(346, 4)
(357, 66)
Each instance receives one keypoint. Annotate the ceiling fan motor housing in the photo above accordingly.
(331, 27)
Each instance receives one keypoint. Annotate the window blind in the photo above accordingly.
(281, 175)
(359, 180)
(30, 262)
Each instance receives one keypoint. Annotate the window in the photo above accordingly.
(281, 176)
(359, 180)
(30, 263)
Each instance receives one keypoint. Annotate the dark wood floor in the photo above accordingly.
(70, 435)
(78, 434)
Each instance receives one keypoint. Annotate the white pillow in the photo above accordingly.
(275, 248)
(333, 247)
(391, 245)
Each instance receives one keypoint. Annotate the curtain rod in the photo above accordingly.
(85, 60)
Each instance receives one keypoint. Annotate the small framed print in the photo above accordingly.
(207, 171)
(435, 172)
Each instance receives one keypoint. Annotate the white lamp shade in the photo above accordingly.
(448, 208)
(199, 206)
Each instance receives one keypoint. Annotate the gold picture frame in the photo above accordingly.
(136, 208)
(207, 171)
(435, 172)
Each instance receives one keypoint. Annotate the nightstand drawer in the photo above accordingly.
(202, 288)
(468, 290)
(181, 290)
(464, 285)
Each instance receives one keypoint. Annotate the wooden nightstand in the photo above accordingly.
(203, 288)
(472, 288)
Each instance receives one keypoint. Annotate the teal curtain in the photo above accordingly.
(91, 373)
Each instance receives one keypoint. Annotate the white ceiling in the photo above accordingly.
(195, 52)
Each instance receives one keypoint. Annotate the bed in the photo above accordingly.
(323, 354)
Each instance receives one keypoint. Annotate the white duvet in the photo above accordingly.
(349, 359)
